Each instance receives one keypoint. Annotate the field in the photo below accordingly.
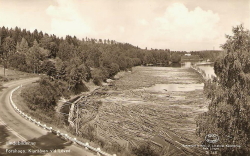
(131, 113)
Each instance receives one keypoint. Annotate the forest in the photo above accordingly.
(69, 62)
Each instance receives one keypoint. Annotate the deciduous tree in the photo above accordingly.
(8, 50)
(229, 111)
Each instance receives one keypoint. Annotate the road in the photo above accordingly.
(14, 128)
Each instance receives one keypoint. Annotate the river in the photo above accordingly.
(207, 68)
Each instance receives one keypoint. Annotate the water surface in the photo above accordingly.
(174, 87)
(207, 68)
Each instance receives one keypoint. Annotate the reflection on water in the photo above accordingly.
(186, 64)
(207, 68)
(174, 87)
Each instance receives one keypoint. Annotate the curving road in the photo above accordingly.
(14, 128)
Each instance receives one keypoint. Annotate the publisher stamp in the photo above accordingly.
(212, 138)
(211, 145)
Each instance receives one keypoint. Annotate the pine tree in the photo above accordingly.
(22, 47)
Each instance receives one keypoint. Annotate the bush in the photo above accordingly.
(79, 87)
(43, 95)
(112, 69)
(97, 82)
(62, 87)
(144, 150)
(99, 75)
(49, 68)
(175, 58)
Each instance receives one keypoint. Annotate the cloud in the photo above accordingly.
(191, 25)
(143, 22)
(65, 20)
(143, 25)
(178, 23)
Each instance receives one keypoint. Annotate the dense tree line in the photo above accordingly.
(229, 111)
(70, 60)
(207, 54)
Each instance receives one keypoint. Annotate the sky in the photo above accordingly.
(185, 25)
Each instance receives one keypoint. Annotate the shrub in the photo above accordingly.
(79, 87)
(112, 69)
(144, 150)
(175, 58)
(43, 95)
(97, 82)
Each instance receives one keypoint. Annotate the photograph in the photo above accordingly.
(124, 77)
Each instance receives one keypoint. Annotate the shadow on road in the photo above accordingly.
(43, 145)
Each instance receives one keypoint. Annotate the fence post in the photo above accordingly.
(98, 151)
(87, 144)
(74, 140)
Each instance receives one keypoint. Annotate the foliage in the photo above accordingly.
(175, 58)
(22, 47)
(98, 75)
(8, 50)
(229, 111)
(76, 71)
(211, 55)
(69, 62)
(18, 61)
(43, 95)
(144, 150)
(48, 67)
(35, 56)
(107, 55)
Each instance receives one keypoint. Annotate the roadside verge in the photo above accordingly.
(56, 132)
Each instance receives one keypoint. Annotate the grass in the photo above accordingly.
(12, 74)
